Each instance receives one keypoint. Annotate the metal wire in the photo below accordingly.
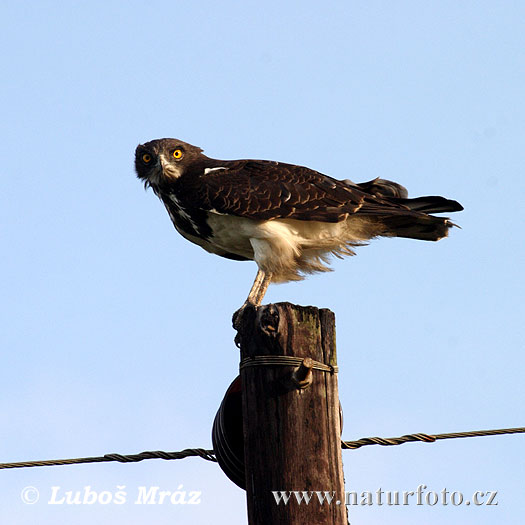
(131, 458)
(209, 455)
(427, 438)
(284, 360)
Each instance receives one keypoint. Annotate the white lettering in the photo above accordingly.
(90, 496)
(492, 495)
(53, 500)
(146, 498)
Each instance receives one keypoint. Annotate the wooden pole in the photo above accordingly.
(292, 422)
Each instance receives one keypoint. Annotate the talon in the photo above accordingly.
(255, 297)
(237, 322)
(237, 317)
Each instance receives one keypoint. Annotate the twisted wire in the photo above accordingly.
(208, 455)
(284, 360)
(427, 438)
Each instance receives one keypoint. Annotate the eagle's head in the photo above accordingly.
(162, 161)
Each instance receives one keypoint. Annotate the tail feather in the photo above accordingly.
(410, 218)
(419, 225)
(382, 188)
(422, 227)
(431, 204)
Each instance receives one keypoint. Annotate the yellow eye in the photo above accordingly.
(146, 158)
(177, 154)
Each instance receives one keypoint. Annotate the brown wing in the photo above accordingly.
(269, 190)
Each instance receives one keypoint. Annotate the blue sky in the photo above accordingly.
(116, 333)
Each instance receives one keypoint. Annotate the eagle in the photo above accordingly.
(288, 219)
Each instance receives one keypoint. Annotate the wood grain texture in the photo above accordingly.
(292, 436)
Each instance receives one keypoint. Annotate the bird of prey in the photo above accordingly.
(288, 219)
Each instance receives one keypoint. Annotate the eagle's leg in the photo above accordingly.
(261, 292)
(256, 295)
(259, 287)
(256, 288)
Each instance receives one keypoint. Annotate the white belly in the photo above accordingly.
(287, 248)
